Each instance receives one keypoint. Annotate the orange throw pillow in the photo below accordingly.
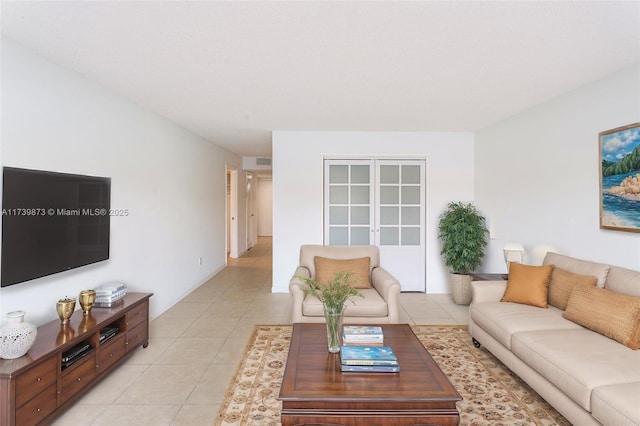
(611, 314)
(561, 284)
(326, 270)
(528, 284)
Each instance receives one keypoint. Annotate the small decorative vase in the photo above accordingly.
(65, 309)
(333, 317)
(17, 336)
(87, 298)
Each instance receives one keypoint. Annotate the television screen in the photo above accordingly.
(52, 222)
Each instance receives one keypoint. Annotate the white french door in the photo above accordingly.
(379, 202)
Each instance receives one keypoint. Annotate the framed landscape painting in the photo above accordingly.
(620, 178)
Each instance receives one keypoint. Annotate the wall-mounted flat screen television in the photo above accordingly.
(52, 222)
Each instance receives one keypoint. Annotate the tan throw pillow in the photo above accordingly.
(527, 284)
(614, 315)
(561, 284)
(326, 270)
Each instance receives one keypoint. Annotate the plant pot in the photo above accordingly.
(460, 288)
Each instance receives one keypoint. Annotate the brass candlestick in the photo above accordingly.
(65, 309)
(87, 298)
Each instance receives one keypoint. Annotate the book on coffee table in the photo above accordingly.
(371, 368)
(368, 355)
(362, 335)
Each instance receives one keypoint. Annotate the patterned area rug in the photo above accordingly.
(492, 394)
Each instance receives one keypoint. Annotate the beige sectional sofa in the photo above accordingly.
(590, 378)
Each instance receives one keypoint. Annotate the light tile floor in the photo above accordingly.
(195, 347)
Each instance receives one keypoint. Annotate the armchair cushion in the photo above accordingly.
(371, 305)
(327, 268)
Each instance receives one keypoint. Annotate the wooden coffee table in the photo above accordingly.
(315, 391)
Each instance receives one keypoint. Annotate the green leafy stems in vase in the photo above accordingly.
(333, 296)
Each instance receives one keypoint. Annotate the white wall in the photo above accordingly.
(537, 179)
(298, 187)
(265, 207)
(171, 181)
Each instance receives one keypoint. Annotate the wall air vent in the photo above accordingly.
(263, 161)
(256, 163)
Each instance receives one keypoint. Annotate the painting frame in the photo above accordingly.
(619, 171)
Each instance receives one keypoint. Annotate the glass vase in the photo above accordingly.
(333, 317)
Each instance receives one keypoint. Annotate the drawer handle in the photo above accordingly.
(139, 313)
(38, 410)
(38, 379)
(79, 378)
(111, 354)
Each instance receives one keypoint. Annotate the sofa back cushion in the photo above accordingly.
(309, 251)
(624, 281)
(561, 284)
(578, 266)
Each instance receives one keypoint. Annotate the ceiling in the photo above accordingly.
(233, 71)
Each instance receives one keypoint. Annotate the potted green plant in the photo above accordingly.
(333, 296)
(463, 233)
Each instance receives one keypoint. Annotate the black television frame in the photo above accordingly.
(52, 222)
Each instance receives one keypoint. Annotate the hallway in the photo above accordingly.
(194, 348)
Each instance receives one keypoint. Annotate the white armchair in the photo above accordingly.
(379, 305)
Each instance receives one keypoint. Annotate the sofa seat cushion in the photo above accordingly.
(502, 319)
(577, 361)
(371, 305)
(617, 404)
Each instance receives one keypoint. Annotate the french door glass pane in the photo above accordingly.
(338, 174)
(411, 175)
(339, 195)
(389, 174)
(360, 236)
(359, 174)
(360, 215)
(411, 195)
(389, 215)
(360, 194)
(338, 236)
(338, 215)
(389, 195)
(411, 216)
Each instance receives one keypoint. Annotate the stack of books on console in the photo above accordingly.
(108, 295)
(369, 359)
(368, 335)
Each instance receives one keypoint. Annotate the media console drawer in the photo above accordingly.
(74, 379)
(137, 315)
(138, 336)
(36, 380)
(34, 411)
(111, 352)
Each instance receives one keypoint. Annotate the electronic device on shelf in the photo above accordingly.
(107, 333)
(75, 353)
